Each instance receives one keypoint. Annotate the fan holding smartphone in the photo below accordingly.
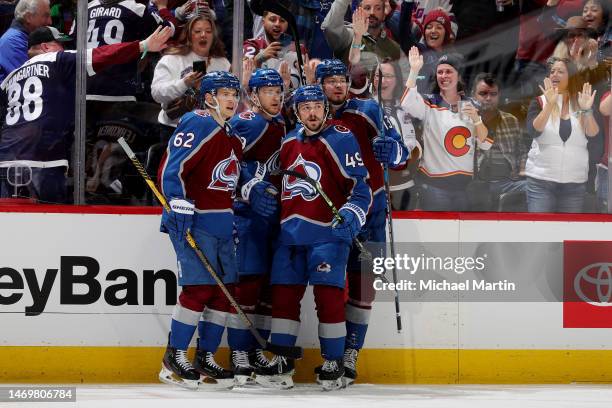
(179, 72)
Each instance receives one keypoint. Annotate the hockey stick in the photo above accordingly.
(274, 6)
(398, 316)
(285, 351)
(364, 254)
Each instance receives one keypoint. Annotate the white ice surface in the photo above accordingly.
(358, 396)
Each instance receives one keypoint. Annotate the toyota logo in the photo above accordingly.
(599, 275)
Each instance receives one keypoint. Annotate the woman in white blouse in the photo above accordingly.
(560, 121)
(174, 75)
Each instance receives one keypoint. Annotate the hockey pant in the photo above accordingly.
(323, 266)
(202, 306)
(361, 292)
(253, 294)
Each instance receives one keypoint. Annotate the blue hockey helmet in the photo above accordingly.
(265, 77)
(308, 93)
(215, 80)
(330, 67)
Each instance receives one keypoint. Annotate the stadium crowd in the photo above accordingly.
(505, 104)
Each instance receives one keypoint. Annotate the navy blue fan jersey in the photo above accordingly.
(38, 106)
(124, 21)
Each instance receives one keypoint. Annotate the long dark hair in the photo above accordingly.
(217, 49)
(574, 82)
(605, 9)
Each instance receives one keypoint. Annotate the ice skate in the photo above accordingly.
(258, 359)
(350, 366)
(278, 374)
(213, 373)
(330, 375)
(177, 369)
(242, 368)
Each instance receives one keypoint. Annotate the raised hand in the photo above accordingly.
(416, 59)
(360, 22)
(285, 73)
(549, 91)
(248, 66)
(586, 97)
(310, 66)
(157, 41)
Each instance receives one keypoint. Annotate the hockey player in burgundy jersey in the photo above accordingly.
(114, 21)
(363, 117)
(313, 247)
(262, 130)
(40, 114)
(199, 174)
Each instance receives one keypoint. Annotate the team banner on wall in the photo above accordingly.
(587, 285)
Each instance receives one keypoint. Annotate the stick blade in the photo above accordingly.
(294, 352)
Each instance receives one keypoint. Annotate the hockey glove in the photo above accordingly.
(348, 228)
(262, 197)
(386, 150)
(178, 221)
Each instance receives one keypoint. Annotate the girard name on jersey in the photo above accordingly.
(104, 12)
(29, 71)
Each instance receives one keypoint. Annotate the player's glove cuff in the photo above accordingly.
(361, 215)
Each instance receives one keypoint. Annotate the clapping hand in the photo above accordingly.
(549, 91)
(586, 97)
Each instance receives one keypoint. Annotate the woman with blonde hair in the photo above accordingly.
(560, 121)
(175, 81)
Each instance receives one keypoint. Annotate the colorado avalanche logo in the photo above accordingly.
(294, 187)
(225, 174)
(273, 163)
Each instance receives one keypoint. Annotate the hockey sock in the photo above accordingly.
(211, 329)
(185, 317)
(286, 313)
(332, 328)
(238, 336)
(357, 319)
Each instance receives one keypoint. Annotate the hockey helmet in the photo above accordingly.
(330, 67)
(308, 93)
(265, 77)
(215, 80)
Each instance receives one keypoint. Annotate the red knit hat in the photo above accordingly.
(441, 17)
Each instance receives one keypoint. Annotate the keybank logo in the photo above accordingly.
(596, 280)
(82, 283)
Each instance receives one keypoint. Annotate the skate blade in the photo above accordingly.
(210, 383)
(168, 377)
(331, 385)
(244, 380)
(348, 381)
(279, 382)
